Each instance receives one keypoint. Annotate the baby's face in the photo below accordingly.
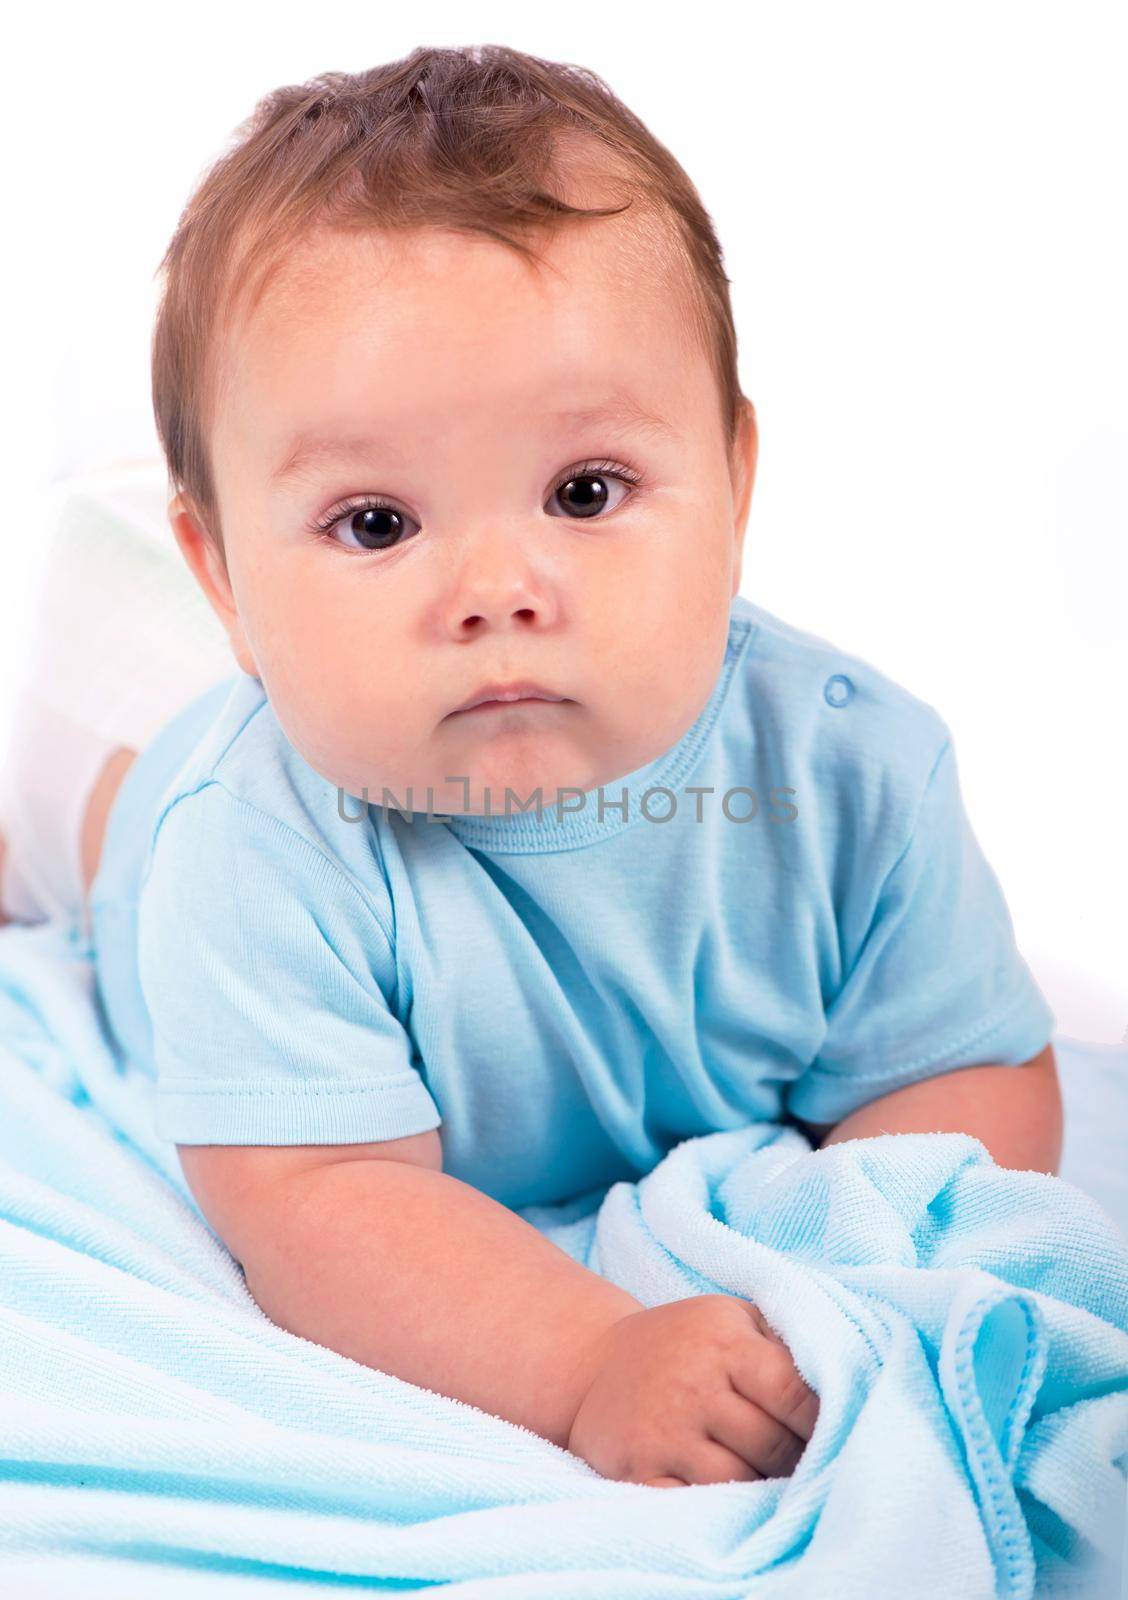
(441, 378)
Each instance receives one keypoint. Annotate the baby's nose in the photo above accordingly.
(499, 588)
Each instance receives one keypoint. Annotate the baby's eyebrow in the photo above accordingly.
(620, 412)
(307, 448)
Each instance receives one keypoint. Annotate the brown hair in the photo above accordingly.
(453, 138)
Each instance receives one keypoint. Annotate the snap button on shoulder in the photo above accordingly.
(838, 690)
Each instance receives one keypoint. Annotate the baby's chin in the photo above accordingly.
(491, 764)
(559, 762)
(486, 783)
(503, 790)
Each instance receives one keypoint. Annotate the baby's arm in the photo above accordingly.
(375, 1252)
(265, 969)
(1014, 1110)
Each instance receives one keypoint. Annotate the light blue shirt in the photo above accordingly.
(794, 920)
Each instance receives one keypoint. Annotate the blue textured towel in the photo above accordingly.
(965, 1327)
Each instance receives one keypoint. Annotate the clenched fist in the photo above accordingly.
(696, 1391)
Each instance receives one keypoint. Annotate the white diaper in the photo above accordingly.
(123, 640)
(50, 767)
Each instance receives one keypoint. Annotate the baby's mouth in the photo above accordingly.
(523, 702)
(496, 696)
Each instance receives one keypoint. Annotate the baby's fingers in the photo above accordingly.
(747, 1429)
(765, 1374)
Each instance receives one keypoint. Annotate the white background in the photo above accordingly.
(922, 211)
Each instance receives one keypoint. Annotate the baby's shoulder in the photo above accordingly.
(241, 786)
(831, 717)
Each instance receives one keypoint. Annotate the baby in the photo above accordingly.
(521, 846)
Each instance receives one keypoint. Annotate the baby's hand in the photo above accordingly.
(696, 1391)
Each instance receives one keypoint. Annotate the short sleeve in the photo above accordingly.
(938, 981)
(266, 972)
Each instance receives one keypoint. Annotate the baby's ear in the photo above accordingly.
(745, 454)
(209, 569)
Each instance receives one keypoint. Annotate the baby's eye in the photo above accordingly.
(369, 525)
(584, 490)
(374, 524)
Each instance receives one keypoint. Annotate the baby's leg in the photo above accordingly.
(93, 827)
(57, 785)
(20, 901)
(117, 764)
(57, 781)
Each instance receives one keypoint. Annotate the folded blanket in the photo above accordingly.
(965, 1327)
